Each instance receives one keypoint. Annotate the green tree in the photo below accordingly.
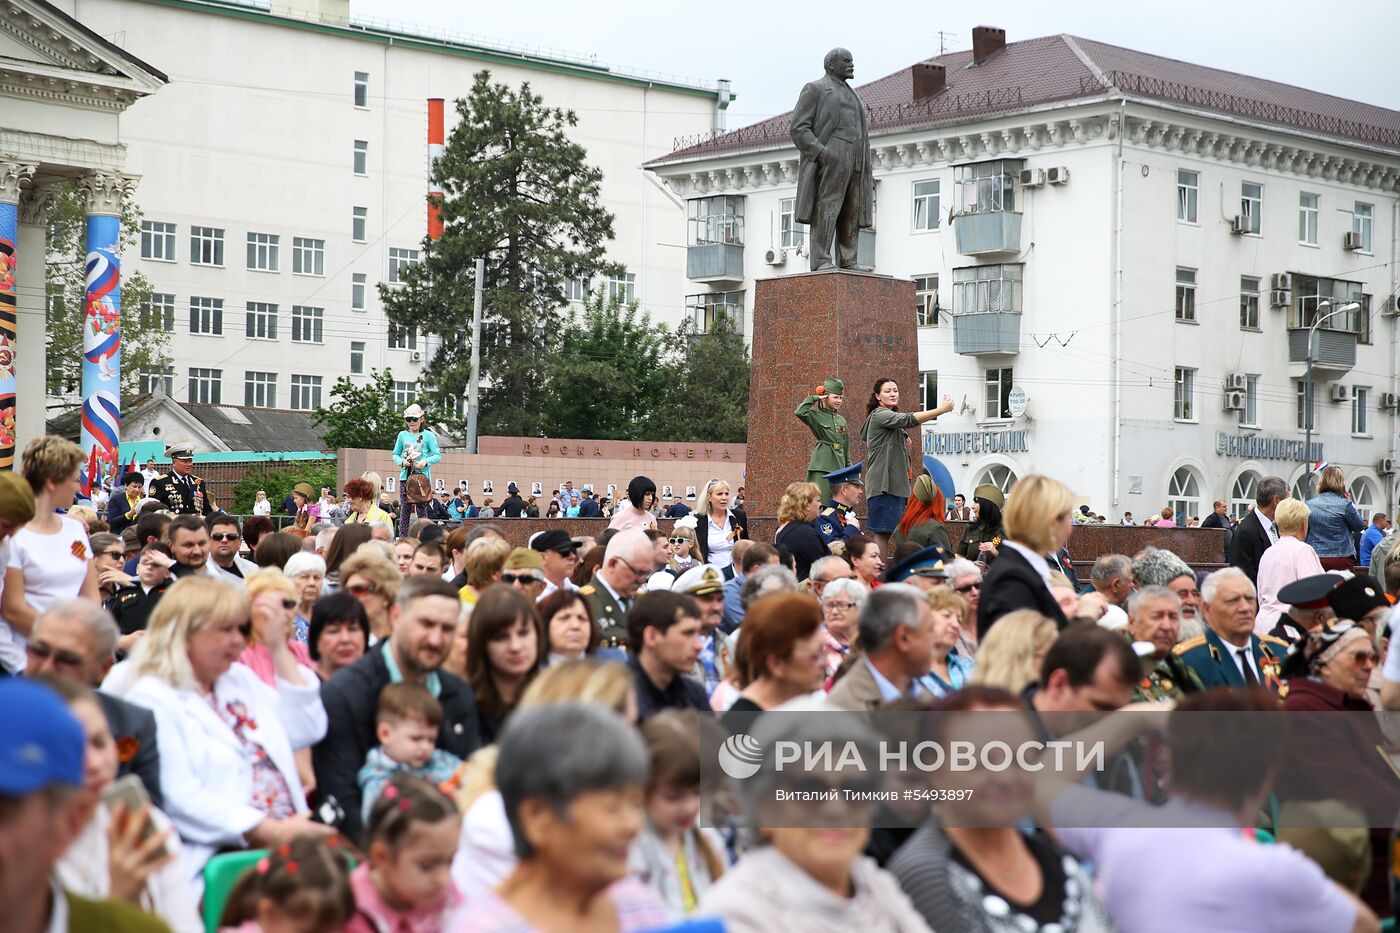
(362, 416)
(520, 194)
(707, 386)
(607, 376)
(277, 477)
(145, 342)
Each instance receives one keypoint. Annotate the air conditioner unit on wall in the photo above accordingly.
(1032, 177)
(1236, 382)
(1234, 401)
(1281, 280)
(1385, 466)
(1057, 176)
(775, 257)
(1239, 224)
(1340, 393)
(1391, 308)
(1388, 401)
(1351, 240)
(416, 356)
(1278, 298)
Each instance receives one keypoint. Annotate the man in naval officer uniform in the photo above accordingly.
(181, 490)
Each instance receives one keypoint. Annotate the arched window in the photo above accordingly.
(1363, 498)
(1242, 496)
(1184, 495)
(1002, 477)
(1301, 490)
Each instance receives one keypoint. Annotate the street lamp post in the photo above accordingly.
(1308, 406)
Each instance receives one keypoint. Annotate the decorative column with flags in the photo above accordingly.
(102, 305)
(13, 175)
(436, 138)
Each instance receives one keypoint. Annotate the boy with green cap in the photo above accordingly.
(820, 411)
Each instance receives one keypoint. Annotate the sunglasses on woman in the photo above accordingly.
(361, 589)
(677, 542)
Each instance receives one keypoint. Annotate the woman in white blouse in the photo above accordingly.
(718, 526)
(119, 862)
(227, 739)
(261, 506)
(50, 557)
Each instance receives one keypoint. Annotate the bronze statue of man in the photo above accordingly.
(835, 178)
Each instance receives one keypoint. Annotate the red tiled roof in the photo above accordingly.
(1041, 71)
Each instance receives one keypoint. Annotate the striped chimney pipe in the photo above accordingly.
(435, 143)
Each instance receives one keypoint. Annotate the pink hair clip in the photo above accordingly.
(292, 867)
(403, 806)
(390, 792)
(263, 865)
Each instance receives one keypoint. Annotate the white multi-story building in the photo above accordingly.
(284, 174)
(1117, 258)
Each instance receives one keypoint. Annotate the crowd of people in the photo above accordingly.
(372, 725)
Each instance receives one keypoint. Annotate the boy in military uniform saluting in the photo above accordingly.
(182, 492)
(820, 411)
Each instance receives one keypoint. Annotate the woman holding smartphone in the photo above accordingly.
(116, 856)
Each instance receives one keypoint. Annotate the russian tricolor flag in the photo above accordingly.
(1320, 465)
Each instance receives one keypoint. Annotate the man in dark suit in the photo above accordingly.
(1229, 654)
(424, 618)
(588, 507)
(835, 177)
(626, 565)
(1257, 531)
(78, 639)
(121, 510)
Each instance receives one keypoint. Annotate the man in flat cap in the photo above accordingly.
(820, 411)
(180, 490)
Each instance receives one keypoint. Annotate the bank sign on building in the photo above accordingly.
(1142, 247)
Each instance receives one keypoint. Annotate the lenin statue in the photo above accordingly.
(835, 180)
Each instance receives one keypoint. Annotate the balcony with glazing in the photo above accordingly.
(1314, 309)
(715, 239)
(987, 309)
(986, 221)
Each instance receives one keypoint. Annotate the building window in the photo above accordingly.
(576, 288)
(306, 324)
(622, 288)
(362, 89)
(987, 289)
(1185, 294)
(715, 220)
(1184, 495)
(1188, 195)
(262, 320)
(1252, 205)
(359, 224)
(399, 260)
(259, 390)
(207, 316)
(306, 393)
(157, 241)
(206, 246)
(794, 233)
(206, 386)
(704, 309)
(402, 338)
(404, 394)
(986, 187)
(1002, 477)
(926, 205)
(1243, 493)
(360, 160)
(308, 256)
(1308, 205)
(1363, 498)
(928, 390)
(1363, 319)
(998, 395)
(1249, 302)
(357, 357)
(1360, 403)
(926, 300)
(158, 312)
(1184, 403)
(262, 252)
(1362, 216)
(358, 281)
(1306, 413)
(151, 379)
(1249, 418)
(1310, 291)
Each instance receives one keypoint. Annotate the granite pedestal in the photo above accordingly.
(858, 327)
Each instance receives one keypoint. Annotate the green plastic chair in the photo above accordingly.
(221, 873)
